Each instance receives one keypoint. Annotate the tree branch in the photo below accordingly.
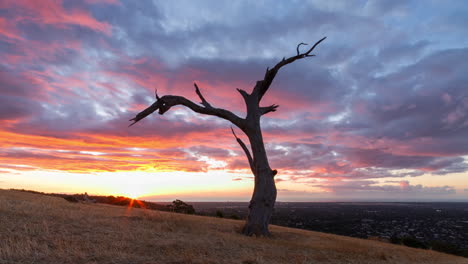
(244, 94)
(156, 94)
(270, 74)
(297, 49)
(246, 150)
(148, 111)
(313, 47)
(163, 104)
(268, 109)
(203, 101)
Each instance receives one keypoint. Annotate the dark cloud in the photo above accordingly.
(14, 107)
(424, 102)
(334, 161)
(209, 151)
(370, 186)
(15, 83)
(386, 6)
(379, 158)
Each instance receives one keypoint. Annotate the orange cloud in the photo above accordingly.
(85, 152)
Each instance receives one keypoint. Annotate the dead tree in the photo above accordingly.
(264, 194)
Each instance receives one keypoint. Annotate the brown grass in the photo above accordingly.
(42, 229)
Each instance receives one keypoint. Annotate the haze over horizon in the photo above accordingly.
(380, 114)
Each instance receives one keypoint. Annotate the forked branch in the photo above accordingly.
(268, 109)
(203, 101)
(270, 74)
(297, 49)
(163, 104)
(148, 111)
(244, 94)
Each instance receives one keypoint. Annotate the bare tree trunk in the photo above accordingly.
(263, 199)
(261, 207)
(264, 195)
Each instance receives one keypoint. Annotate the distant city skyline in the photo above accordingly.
(380, 114)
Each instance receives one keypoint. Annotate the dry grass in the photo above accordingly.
(41, 229)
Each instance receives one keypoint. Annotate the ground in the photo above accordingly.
(42, 229)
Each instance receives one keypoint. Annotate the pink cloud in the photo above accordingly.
(404, 185)
(446, 98)
(51, 12)
(109, 2)
(8, 30)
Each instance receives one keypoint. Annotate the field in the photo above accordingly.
(42, 229)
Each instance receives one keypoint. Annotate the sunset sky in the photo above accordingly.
(380, 114)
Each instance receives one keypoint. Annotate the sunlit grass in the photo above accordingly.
(43, 229)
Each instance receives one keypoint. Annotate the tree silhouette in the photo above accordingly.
(264, 194)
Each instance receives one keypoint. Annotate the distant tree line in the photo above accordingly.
(176, 206)
(179, 206)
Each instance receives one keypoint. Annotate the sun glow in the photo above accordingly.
(129, 189)
(133, 193)
(150, 186)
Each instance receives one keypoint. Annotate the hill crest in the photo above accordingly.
(43, 229)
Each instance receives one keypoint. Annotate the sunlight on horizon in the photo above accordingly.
(193, 186)
(135, 185)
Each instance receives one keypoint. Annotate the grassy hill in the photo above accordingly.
(43, 229)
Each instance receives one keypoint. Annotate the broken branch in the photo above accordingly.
(163, 104)
(260, 90)
(246, 150)
(156, 93)
(268, 109)
(203, 101)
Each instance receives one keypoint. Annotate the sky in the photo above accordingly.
(379, 114)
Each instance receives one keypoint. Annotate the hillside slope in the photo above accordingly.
(42, 229)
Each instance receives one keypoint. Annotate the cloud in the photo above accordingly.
(403, 187)
(383, 98)
(13, 108)
(8, 30)
(108, 2)
(386, 6)
(293, 192)
(53, 13)
(91, 161)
